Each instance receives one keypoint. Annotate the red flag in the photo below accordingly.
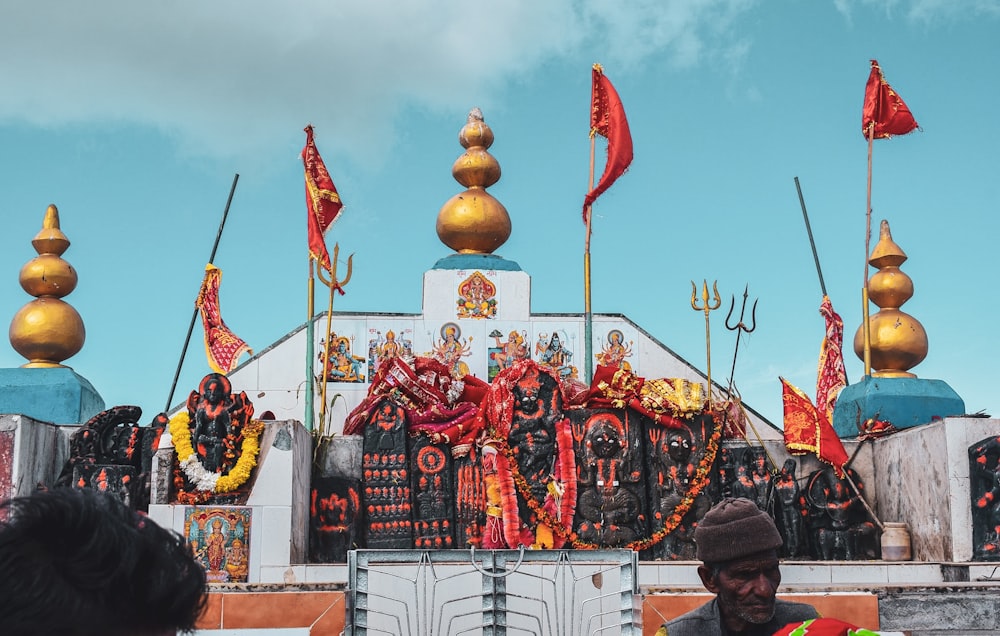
(222, 346)
(807, 430)
(831, 376)
(607, 118)
(884, 108)
(322, 200)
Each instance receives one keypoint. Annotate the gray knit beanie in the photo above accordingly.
(735, 528)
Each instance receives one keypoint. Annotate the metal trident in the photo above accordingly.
(740, 328)
(338, 285)
(333, 283)
(707, 307)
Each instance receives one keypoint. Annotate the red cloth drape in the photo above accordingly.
(607, 118)
(222, 346)
(832, 376)
(322, 201)
(884, 108)
(807, 430)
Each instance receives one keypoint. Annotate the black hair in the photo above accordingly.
(78, 562)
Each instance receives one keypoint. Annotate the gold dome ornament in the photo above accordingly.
(48, 330)
(898, 340)
(473, 222)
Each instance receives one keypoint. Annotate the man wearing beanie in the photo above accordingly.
(738, 545)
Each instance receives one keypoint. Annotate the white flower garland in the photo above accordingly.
(201, 478)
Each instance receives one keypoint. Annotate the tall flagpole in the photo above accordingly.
(194, 316)
(588, 316)
(310, 348)
(866, 321)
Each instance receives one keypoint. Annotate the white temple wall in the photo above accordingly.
(923, 475)
(274, 379)
(31, 453)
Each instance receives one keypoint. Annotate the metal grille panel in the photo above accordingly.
(493, 593)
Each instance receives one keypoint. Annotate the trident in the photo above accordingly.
(338, 285)
(707, 307)
(740, 328)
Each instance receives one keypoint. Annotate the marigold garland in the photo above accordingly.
(206, 482)
(564, 483)
(671, 523)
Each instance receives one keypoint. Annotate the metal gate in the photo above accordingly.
(493, 592)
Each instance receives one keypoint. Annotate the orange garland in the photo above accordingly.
(567, 476)
(701, 478)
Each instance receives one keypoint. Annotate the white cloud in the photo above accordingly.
(239, 75)
(924, 10)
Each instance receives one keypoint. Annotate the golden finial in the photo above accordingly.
(48, 330)
(473, 222)
(898, 340)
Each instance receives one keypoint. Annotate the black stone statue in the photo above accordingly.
(984, 470)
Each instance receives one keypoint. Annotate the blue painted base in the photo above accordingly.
(903, 402)
(477, 261)
(57, 395)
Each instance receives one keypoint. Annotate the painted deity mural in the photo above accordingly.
(383, 347)
(220, 540)
(337, 357)
(355, 349)
(451, 348)
(477, 297)
(554, 351)
(614, 350)
(507, 350)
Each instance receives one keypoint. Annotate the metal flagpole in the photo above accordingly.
(310, 348)
(588, 317)
(812, 243)
(866, 323)
(194, 316)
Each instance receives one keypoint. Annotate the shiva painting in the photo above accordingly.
(613, 349)
(509, 345)
(477, 297)
(554, 348)
(336, 355)
(387, 341)
(220, 540)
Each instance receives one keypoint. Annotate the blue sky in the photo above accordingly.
(133, 119)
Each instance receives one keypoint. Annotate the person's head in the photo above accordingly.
(78, 562)
(738, 546)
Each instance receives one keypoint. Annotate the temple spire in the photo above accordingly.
(898, 340)
(48, 330)
(473, 222)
